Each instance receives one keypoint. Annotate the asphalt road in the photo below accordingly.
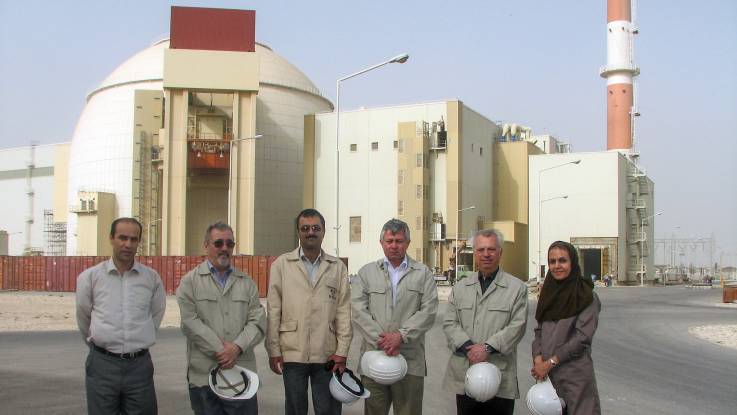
(646, 363)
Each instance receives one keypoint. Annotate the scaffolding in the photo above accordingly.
(55, 234)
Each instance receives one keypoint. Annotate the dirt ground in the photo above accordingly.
(44, 311)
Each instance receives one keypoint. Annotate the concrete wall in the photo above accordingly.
(511, 178)
(593, 208)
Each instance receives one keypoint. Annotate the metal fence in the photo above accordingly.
(59, 273)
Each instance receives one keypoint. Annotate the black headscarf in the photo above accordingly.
(567, 298)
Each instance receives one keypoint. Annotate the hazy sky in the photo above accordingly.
(529, 61)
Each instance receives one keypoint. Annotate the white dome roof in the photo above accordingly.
(148, 65)
(101, 155)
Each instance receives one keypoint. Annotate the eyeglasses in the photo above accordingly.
(218, 243)
(306, 228)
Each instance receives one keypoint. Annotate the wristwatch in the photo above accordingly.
(488, 348)
(553, 362)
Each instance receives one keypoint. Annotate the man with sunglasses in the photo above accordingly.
(309, 318)
(223, 321)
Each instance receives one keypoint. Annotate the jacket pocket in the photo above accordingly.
(288, 338)
(465, 315)
(498, 315)
(377, 300)
(206, 304)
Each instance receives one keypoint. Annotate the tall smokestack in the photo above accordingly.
(619, 72)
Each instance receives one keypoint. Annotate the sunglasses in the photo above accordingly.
(218, 243)
(306, 228)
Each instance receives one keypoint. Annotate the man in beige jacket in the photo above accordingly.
(223, 321)
(394, 303)
(309, 318)
(485, 319)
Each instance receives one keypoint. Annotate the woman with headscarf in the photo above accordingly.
(567, 315)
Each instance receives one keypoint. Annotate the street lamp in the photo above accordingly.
(458, 252)
(397, 59)
(539, 211)
(230, 172)
(643, 240)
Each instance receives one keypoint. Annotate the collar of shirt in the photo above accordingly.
(110, 266)
(486, 282)
(303, 257)
(220, 275)
(403, 266)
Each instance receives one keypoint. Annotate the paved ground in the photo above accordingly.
(646, 363)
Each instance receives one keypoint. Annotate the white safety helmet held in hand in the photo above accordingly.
(543, 400)
(383, 369)
(347, 388)
(234, 384)
(482, 381)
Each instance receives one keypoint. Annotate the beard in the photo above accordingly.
(224, 261)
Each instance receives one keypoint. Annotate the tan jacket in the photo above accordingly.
(498, 317)
(209, 315)
(412, 316)
(308, 324)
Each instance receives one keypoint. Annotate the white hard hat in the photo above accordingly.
(543, 400)
(383, 369)
(482, 381)
(347, 388)
(234, 384)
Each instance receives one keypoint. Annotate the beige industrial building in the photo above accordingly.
(441, 167)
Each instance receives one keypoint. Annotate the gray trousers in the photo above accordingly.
(120, 386)
(296, 376)
(205, 402)
(405, 396)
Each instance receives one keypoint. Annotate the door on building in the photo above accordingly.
(591, 262)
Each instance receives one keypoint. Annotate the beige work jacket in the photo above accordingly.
(307, 323)
(497, 317)
(209, 315)
(413, 314)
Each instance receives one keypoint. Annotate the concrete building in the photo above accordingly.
(34, 197)
(422, 163)
(600, 202)
(168, 138)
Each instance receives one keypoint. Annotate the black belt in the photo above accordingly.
(132, 355)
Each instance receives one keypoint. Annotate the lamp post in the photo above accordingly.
(539, 211)
(397, 59)
(230, 173)
(458, 252)
(539, 232)
(643, 240)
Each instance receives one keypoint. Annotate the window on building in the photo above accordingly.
(400, 177)
(481, 151)
(355, 229)
(401, 145)
(375, 145)
(418, 191)
(418, 223)
(400, 208)
(396, 144)
(354, 147)
(419, 160)
(418, 255)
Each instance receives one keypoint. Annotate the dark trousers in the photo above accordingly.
(469, 406)
(205, 402)
(296, 376)
(119, 386)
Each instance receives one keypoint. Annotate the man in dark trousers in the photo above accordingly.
(120, 305)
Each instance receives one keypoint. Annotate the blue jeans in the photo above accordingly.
(205, 402)
(296, 376)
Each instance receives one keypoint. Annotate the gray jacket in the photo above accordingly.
(497, 317)
(413, 314)
(209, 315)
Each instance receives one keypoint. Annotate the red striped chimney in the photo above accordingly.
(619, 71)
